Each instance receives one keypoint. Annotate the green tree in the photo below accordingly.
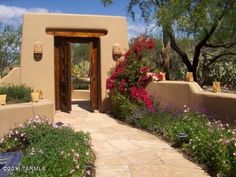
(10, 41)
(80, 52)
(210, 24)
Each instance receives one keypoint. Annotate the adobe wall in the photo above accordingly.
(13, 77)
(40, 75)
(180, 93)
(14, 114)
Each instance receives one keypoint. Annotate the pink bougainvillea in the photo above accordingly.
(150, 44)
(110, 84)
(144, 70)
(142, 44)
(122, 85)
(141, 94)
(132, 73)
(127, 54)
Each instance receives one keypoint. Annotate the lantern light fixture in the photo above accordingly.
(38, 51)
(116, 51)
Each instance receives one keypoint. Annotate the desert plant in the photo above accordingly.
(79, 84)
(16, 93)
(81, 69)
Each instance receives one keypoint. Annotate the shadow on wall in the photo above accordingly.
(180, 93)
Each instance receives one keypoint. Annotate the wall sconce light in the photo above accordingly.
(116, 51)
(189, 77)
(38, 51)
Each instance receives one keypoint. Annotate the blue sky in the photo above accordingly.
(11, 11)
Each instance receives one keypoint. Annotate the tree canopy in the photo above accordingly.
(10, 40)
(209, 24)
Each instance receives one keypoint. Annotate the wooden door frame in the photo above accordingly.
(96, 91)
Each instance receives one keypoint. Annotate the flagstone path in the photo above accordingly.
(123, 151)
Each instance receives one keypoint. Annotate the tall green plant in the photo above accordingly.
(16, 93)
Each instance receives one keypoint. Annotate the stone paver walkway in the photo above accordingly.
(123, 151)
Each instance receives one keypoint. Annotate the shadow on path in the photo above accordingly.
(83, 104)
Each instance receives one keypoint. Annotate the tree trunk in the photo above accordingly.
(166, 51)
(194, 70)
(180, 52)
(205, 71)
(166, 59)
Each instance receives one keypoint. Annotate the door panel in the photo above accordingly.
(65, 80)
(57, 76)
(63, 76)
(94, 74)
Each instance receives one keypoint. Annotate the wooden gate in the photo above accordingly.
(63, 72)
(63, 75)
(94, 73)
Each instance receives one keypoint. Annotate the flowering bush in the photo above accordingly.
(210, 143)
(131, 75)
(53, 147)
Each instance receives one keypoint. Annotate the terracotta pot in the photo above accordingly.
(216, 87)
(35, 96)
(189, 77)
(162, 76)
(3, 99)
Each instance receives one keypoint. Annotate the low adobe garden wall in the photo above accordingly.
(176, 94)
(14, 114)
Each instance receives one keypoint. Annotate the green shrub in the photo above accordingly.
(212, 144)
(224, 71)
(220, 156)
(81, 69)
(16, 93)
(122, 106)
(80, 84)
(57, 150)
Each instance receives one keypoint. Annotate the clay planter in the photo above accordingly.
(35, 96)
(189, 77)
(3, 99)
(216, 87)
(162, 76)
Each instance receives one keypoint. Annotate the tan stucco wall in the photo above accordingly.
(14, 114)
(180, 93)
(13, 77)
(40, 75)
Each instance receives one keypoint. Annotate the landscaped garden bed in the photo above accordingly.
(205, 140)
(209, 143)
(50, 149)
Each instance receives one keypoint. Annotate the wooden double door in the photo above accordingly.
(62, 47)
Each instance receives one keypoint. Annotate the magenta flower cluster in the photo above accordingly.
(131, 75)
